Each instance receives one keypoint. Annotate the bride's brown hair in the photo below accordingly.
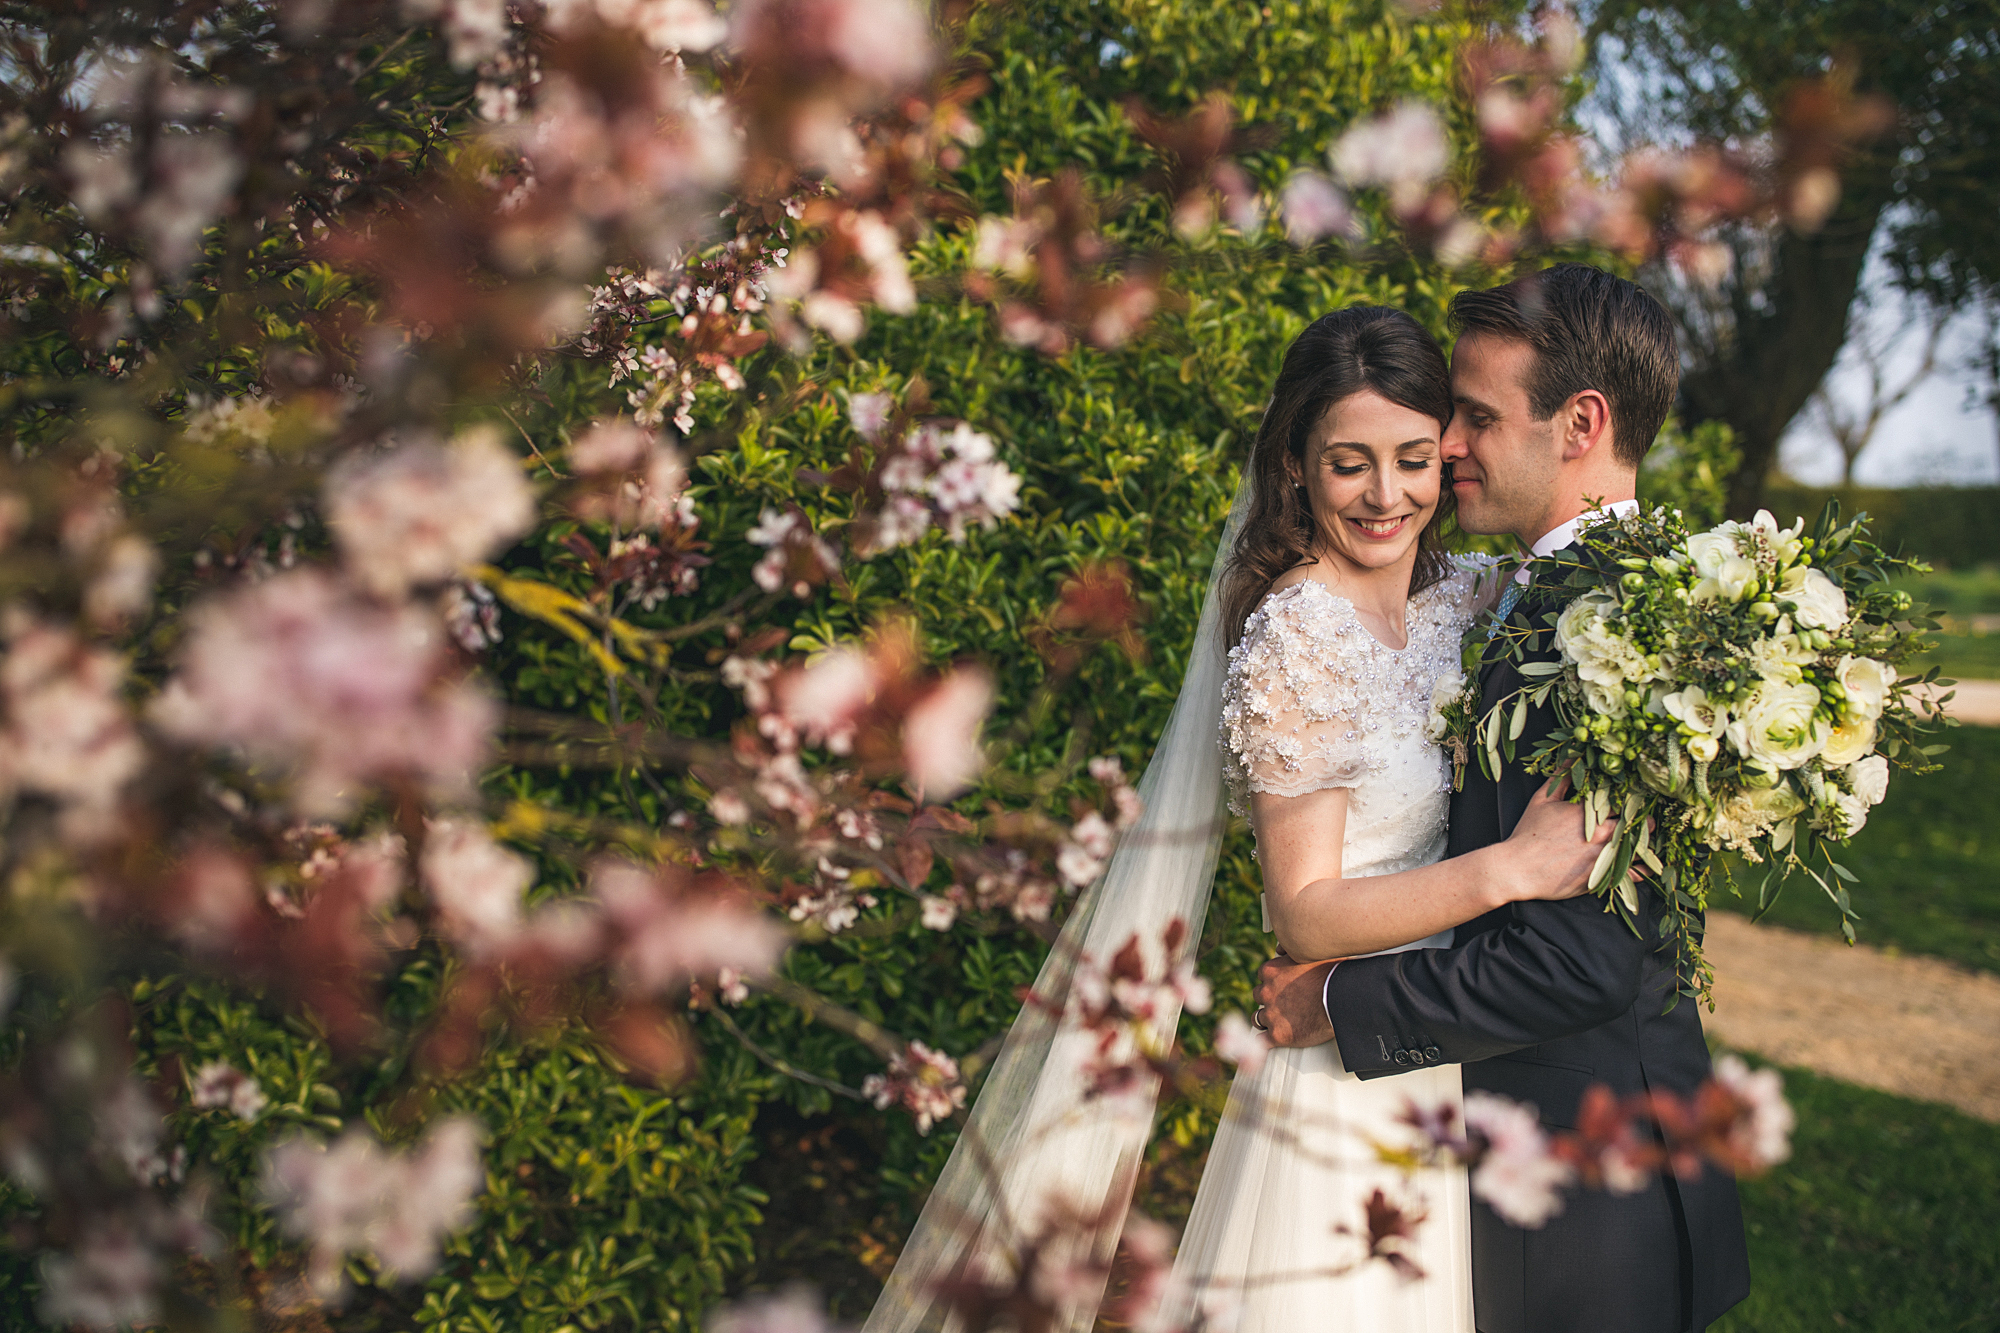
(1339, 355)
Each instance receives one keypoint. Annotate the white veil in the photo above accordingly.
(1032, 1139)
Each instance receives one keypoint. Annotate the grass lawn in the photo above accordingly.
(1929, 863)
(1962, 657)
(1958, 592)
(1887, 1219)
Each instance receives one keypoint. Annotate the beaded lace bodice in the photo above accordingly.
(1313, 700)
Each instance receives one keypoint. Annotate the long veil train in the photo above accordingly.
(1031, 1137)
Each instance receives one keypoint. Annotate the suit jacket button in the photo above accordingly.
(1433, 1054)
(1403, 1057)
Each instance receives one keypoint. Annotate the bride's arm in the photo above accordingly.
(1317, 913)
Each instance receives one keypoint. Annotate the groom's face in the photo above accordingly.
(1505, 465)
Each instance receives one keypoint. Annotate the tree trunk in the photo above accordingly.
(1784, 337)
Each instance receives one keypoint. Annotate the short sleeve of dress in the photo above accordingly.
(1290, 713)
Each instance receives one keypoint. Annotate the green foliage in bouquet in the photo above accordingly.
(1729, 690)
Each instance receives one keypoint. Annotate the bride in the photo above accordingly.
(1339, 612)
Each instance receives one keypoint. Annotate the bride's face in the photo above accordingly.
(1372, 477)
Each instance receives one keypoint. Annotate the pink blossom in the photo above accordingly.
(665, 936)
(1404, 149)
(1312, 208)
(360, 1197)
(1240, 1044)
(109, 1281)
(794, 1311)
(122, 587)
(423, 512)
(471, 613)
(938, 913)
(1766, 1139)
(218, 1085)
(193, 175)
(680, 25)
(922, 1081)
(941, 734)
(868, 413)
(66, 732)
(1517, 1174)
(476, 883)
(298, 672)
(822, 701)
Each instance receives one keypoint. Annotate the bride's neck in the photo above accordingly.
(1381, 591)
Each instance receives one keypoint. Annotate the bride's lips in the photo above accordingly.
(1379, 530)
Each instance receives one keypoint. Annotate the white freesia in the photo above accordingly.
(1867, 684)
(1693, 709)
(1776, 729)
(1821, 604)
(1606, 661)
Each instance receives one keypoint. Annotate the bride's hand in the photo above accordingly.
(1551, 858)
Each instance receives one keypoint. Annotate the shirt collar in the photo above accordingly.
(1563, 534)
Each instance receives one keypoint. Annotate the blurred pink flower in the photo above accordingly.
(664, 935)
(822, 700)
(1404, 150)
(218, 1084)
(1517, 1174)
(422, 512)
(1240, 1044)
(941, 734)
(359, 1197)
(67, 734)
(299, 672)
(476, 883)
(793, 1311)
(1313, 207)
(1765, 1139)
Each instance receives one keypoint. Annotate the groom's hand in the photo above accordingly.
(1292, 1000)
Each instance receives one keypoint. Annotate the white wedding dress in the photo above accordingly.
(1313, 701)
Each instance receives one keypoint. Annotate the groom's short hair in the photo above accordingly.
(1588, 330)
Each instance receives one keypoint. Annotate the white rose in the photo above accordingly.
(1581, 616)
(1776, 729)
(1707, 550)
(1870, 779)
(1848, 743)
(1449, 686)
(1821, 603)
(1867, 684)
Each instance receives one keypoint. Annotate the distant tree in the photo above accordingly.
(1769, 322)
(1852, 425)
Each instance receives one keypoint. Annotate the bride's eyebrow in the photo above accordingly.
(1359, 447)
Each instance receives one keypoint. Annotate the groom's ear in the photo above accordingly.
(1583, 426)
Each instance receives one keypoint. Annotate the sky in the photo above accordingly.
(1933, 438)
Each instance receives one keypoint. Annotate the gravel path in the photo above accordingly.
(1917, 1027)
(1976, 703)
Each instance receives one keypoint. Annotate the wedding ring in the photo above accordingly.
(1257, 1019)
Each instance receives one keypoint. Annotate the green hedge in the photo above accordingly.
(1950, 526)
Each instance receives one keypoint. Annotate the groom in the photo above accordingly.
(1561, 380)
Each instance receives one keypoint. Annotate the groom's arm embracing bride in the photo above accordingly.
(1561, 381)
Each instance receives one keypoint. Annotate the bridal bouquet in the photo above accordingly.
(1730, 690)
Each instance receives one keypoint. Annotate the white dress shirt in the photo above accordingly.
(1564, 533)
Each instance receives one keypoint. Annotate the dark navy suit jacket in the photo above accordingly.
(1537, 1001)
